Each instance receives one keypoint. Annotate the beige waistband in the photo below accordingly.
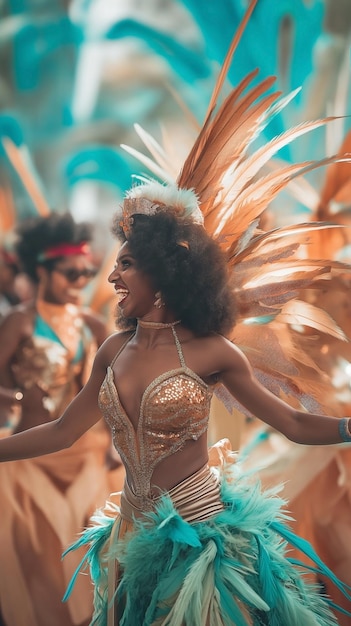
(196, 498)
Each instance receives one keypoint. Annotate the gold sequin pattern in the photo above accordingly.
(47, 364)
(174, 409)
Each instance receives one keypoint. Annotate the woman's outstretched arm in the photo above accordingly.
(298, 426)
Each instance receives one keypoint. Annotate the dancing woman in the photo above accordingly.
(193, 541)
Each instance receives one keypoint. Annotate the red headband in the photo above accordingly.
(65, 249)
(8, 258)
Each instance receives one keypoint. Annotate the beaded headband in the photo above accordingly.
(152, 197)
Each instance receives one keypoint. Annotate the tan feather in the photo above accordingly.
(286, 368)
(228, 59)
(295, 236)
(149, 163)
(337, 180)
(155, 149)
(302, 313)
(227, 136)
(285, 357)
(236, 184)
(299, 188)
(249, 168)
(7, 209)
(17, 158)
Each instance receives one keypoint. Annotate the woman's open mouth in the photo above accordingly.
(121, 294)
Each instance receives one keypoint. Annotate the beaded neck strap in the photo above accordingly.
(157, 325)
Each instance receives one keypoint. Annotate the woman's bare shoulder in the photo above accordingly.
(19, 318)
(211, 355)
(222, 352)
(217, 342)
(112, 345)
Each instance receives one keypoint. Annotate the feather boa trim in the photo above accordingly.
(232, 569)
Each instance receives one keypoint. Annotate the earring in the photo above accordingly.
(158, 300)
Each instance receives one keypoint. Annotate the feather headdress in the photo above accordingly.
(270, 268)
(152, 197)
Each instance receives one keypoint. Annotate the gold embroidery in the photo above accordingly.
(175, 408)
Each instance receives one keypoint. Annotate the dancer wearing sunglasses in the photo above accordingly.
(8, 298)
(47, 347)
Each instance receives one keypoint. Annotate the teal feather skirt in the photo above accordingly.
(231, 569)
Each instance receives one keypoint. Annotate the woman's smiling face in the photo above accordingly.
(136, 294)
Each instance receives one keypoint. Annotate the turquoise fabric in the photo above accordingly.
(42, 329)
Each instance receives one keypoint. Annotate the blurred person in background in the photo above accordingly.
(9, 270)
(48, 344)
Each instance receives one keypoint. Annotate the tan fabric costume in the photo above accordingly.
(45, 502)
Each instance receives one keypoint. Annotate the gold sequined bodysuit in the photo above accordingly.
(174, 409)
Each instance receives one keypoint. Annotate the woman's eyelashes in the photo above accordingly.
(122, 264)
(126, 263)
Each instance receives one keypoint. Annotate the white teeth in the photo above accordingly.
(121, 293)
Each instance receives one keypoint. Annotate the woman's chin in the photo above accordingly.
(76, 300)
(124, 321)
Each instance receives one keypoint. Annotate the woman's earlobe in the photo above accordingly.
(158, 303)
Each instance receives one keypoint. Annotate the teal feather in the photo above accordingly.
(189, 600)
(304, 546)
(229, 607)
(268, 582)
(176, 529)
(11, 128)
(242, 588)
(260, 436)
(232, 568)
(96, 536)
(98, 163)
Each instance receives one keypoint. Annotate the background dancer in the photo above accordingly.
(47, 349)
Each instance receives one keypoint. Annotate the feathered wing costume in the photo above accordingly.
(270, 268)
(162, 568)
(317, 480)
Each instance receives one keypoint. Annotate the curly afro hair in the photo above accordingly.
(37, 234)
(187, 266)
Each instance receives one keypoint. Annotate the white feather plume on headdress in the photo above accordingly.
(151, 197)
(184, 201)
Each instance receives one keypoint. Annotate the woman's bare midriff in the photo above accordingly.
(179, 466)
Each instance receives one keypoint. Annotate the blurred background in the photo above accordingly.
(75, 77)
